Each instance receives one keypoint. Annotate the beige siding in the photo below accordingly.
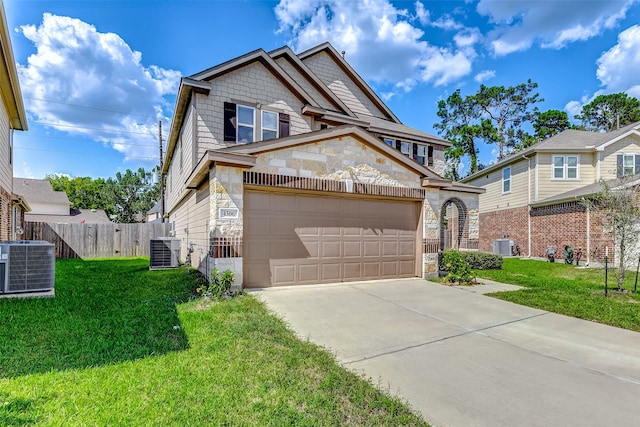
(549, 187)
(191, 222)
(253, 84)
(494, 199)
(608, 166)
(302, 81)
(6, 168)
(342, 85)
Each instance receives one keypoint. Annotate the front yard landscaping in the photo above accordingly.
(569, 290)
(122, 345)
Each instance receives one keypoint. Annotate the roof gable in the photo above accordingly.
(10, 89)
(39, 191)
(331, 52)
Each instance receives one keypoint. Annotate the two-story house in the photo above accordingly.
(289, 169)
(12, 117)
(533, 197)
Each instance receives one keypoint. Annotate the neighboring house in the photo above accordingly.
(54, 206)
(289, 169)
(12, 117)
(153, 214)
(533, 196)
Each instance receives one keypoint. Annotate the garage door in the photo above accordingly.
(293, 238)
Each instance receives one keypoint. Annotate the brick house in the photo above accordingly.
(12, 117)
(533, 196)
(289, 169)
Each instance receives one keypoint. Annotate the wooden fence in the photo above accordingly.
(96, 240)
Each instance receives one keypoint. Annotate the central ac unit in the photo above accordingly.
(502, 247)
(27, 266)
(164, 252)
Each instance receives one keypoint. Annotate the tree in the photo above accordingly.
(550, 123)
(507, 109)
(609, 112)
(459, 125)
(130, 195)
(619, 206)
(83, 192)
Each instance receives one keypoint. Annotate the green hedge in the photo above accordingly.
(476, 260)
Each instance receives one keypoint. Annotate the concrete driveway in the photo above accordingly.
(464, 359)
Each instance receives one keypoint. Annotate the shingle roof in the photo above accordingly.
(76, 216)
(39, 191)
(585, 191)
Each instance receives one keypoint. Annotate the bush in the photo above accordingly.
(484, 261)
(220, 286)
(457, 268)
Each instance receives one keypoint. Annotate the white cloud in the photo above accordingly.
(76, 66)
(27, 172)
(552, 24)
(618, 68)
(381, 42)
(485, 75)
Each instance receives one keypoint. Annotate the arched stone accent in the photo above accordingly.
(454, 234)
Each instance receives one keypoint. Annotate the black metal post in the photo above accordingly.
(635, 286)
(606, 275)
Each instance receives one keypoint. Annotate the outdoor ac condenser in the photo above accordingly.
(502, 247)
(164, 252)
(27, 266)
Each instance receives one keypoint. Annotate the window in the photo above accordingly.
(246, 123)
(628, 164)
(420, 153)
(565, 167)
(506, 180)
(269, 125)
(405, 148)
(388, 141)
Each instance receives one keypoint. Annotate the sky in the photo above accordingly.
(97, 77)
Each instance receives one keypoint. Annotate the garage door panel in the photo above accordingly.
(293, 238)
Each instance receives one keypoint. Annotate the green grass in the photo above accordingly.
(568, 290)
(121, 345)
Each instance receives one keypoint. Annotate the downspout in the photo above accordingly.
(528, 205)
(588, 235)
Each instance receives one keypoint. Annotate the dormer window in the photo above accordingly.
(245, 123)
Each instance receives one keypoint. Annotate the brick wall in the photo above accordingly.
(504, 224)
(5, 215)
(557, 226)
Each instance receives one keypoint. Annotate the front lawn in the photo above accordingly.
(569, 290)
(122, 345)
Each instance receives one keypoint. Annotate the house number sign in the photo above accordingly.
(228, 213)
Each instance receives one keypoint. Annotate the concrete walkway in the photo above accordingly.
(464, 359)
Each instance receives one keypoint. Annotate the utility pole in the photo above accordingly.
(161, 175)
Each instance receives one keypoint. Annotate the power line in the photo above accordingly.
(91, 108)
(31, 135)
(85, 152)
(90, 128)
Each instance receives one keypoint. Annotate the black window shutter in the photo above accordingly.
(620, 168)
(637, 168)
(415, 151)
(230, 121)
(430, 155)
(398, 144)
(283, 125)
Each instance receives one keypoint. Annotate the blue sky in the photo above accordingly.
(97, 76)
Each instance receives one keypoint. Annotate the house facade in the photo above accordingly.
(288, 169)
(12, 117)
(533, 197)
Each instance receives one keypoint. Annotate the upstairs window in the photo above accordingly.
(269, 125)
(405, 148)
(506, 180)
(565, 167)
(245, 124)
(388, 141)
(628, 164)
(420, 153)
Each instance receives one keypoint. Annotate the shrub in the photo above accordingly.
(220, 285)
(457, 268)
(484, 261)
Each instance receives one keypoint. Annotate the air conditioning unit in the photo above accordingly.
(502, 247)
(164, 252)
(27, 266)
